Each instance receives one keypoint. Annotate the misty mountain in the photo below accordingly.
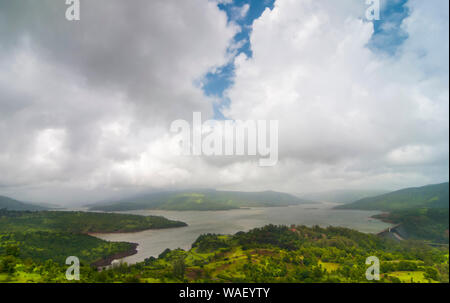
(430, 196)
(201, 200)
(11, 204)
(342, 196)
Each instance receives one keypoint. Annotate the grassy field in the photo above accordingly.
(411, 276)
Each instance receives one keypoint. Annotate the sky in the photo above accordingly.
(86, 106)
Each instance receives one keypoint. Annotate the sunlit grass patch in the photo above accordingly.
(410, 276)
(329, 267)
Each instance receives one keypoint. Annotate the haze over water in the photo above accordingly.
(154, 242)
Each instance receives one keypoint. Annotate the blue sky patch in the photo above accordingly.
(387, 37)
(217, 82)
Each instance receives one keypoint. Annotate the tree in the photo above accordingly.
(8, 264)
(12, 250)
(179, 267)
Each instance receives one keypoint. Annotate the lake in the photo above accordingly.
(154, 242)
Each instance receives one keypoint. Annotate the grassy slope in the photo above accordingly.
(430, 196)
(202, 200)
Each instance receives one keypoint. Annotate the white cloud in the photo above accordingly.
(340, 103)
(80, 101)
(243, 11)
(85, 110)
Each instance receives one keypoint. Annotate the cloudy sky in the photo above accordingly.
(86, 107)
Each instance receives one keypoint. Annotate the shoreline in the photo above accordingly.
(117, 256)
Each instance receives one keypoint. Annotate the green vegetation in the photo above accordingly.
(52, 235)
(429, 224)
(11, 204)
(34, 245)
(430, 196)
(41, 246)
(268, 254)
(81, 222)
(422, 212)
(202, 200)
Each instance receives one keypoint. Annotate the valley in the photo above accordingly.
(246, 237)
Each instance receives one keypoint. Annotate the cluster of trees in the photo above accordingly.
(210, 242)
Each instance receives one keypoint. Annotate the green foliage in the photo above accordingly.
(423, 212)
(210, 242)
(57, 246)
(422, 224)
(53, 235)
(179, 268)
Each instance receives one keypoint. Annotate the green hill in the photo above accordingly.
(422, 212)
(342, 196)
(430, 196)
(201, 200)
(11, 204)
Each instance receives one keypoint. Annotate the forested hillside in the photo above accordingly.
(202, 200)
(423, 212)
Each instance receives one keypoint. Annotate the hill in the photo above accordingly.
(201, 200)
(422, 212)
(341, 196)
(429, 224)
(11, 204)
(430, 196)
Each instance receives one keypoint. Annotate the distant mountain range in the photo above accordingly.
(201, 200)
(430, 196)
(11, 204)
(342, 196)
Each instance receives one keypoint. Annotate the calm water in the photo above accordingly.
(153, 242)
